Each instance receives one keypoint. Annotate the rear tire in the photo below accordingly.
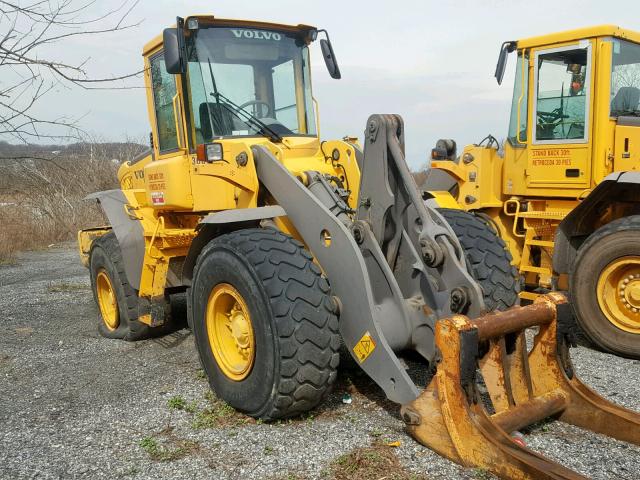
(488, 257)
(285, 306)
(604, 261)
(107, 272)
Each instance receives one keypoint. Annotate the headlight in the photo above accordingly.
(210, 152)
(214, 152)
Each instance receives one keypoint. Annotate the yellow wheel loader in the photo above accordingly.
(288, 247)
(564, 193)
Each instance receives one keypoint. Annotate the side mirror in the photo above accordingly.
(330, 58)
(172, 51)
(505, 49)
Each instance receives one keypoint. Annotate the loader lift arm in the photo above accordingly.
(401, 255)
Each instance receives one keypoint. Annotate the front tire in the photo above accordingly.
(605, 287)
(488, 257)
(264, 323)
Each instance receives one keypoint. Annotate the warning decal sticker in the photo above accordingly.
(364, 347)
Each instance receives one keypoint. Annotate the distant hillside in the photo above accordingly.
(121, 151)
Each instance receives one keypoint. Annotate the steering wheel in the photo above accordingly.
(254, 104)
(551, 120)
(554, 116)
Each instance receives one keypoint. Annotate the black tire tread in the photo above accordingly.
(308, 342)
(488, 257)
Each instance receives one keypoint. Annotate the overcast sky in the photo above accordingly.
(430, 61)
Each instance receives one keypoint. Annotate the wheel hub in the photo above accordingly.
(619, 293)
(630, 292)
(230, 332)
(240, 328)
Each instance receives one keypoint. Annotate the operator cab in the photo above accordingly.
(236, 79)
(563, 90)
(560, 119)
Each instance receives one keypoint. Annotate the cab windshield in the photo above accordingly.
(625, 78)
(249, 82)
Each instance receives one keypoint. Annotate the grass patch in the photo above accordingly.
(178, 402)
(166, 447)
(66, 287)
(219, 414)
(371, 463)
(269, 450)
(216, 413)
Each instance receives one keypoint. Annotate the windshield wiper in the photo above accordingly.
(258, 124)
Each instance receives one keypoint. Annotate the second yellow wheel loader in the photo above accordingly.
(565, 195)
(288, 246)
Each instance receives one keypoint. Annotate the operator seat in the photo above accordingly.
(218, 116)
(626, 100)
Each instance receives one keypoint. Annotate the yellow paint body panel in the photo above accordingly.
(627, 149)
(162, 191)
(445, 200)
(579, 34)
(85, 240)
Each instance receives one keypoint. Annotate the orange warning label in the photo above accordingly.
(364, 347)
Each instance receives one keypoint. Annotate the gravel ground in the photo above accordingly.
(75, 405)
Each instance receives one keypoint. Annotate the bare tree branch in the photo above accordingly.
(29, 71)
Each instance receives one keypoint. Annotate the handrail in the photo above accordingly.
(522, 91)
(178, 121)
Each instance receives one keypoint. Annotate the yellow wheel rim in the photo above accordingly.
(107, 300)
(619, 293)
(230, 332)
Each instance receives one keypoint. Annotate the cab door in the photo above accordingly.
(167, 177)
(560, 152)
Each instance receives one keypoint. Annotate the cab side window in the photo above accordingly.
(625, 79)
(284, 93)
(164, 89)
(518, 131)
(562, 95)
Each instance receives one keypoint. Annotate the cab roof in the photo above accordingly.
(580, 34)
(228, 22)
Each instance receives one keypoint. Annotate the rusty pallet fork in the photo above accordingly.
(450, 418)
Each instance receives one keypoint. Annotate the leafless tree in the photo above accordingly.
(34, 60)
(625, 76)
(42, 197)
